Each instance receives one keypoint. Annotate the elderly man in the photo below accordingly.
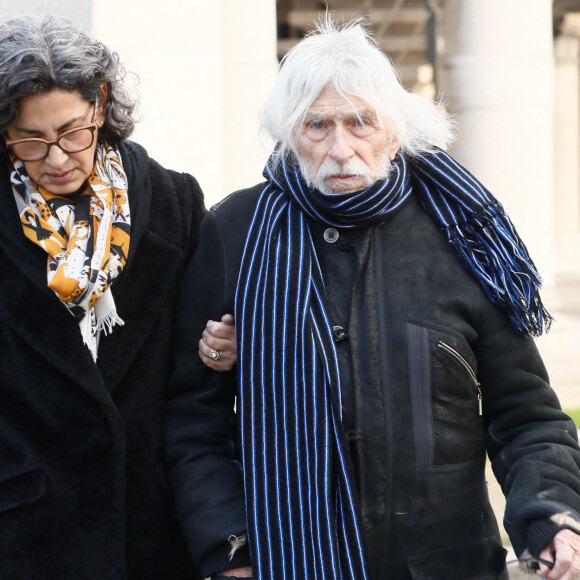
(384, 309)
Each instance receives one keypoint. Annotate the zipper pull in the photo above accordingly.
(479, 400)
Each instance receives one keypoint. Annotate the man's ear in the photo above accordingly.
(393, 148)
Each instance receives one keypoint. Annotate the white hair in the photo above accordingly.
(347, 58)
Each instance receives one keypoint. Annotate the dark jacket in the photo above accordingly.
(83, 487)
(411, 412)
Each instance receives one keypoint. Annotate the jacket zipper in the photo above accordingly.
(461, 360)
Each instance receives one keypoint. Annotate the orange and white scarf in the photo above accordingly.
(87, 240)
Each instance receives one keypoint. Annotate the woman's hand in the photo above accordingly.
(217, 347)
(243, 572)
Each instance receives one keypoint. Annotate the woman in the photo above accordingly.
(94, 236)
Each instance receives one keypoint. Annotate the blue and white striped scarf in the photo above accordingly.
(303, 520)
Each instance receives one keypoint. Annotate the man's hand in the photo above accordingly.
(564, 551)
(219, 337)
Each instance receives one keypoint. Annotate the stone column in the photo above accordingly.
(567, 144)
(497, 74)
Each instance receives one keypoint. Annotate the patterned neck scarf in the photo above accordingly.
(303, 520)
(87, 242)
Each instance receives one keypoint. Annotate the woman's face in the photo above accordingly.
(47, 116)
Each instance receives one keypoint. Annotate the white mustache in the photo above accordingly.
(353, 167)
(330, 168)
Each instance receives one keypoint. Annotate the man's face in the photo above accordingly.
(342, 149)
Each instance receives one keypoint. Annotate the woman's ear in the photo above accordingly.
(103, 93)
(102, 101)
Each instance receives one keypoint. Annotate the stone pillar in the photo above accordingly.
(205, 68)
(567, 145)
(497, 75)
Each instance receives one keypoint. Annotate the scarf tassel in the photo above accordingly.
(106, 325)
(106, 316)
(493, 251)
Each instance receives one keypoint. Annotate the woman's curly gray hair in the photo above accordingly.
(40, 53)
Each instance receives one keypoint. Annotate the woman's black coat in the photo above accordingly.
(83, 490)
(417, 438)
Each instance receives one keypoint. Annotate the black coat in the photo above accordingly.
(417, 439)
(83, 489)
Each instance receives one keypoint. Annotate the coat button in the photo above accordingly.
(339, 333)
(331, 235)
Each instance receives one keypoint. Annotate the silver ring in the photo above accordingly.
(215, 354)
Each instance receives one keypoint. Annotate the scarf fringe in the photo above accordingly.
(484, 238)
(491, 248)
(108, 322)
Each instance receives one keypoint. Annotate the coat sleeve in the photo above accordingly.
(189, 201)
(200, 429)
(532, 444)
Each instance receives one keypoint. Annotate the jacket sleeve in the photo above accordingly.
(532, 444)
(189, 201)
(200, 429)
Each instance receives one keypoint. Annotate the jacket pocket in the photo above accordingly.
(446, 398)
(483, 559)
(463, 363)
(445, 507)
(22, 489)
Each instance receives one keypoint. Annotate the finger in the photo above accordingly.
(228, 319)
(565, 552)
(546, 554)
(224, 363)
(572, 569)
(564, 568)
(227, 348)
(221, 365)
(570, 573)
(204, 352)
(543, 571)
(210, 325)
(220, 330)
(210, 363)
(209, 342)
(212, 337)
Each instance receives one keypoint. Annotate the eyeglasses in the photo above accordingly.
(73, 141)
